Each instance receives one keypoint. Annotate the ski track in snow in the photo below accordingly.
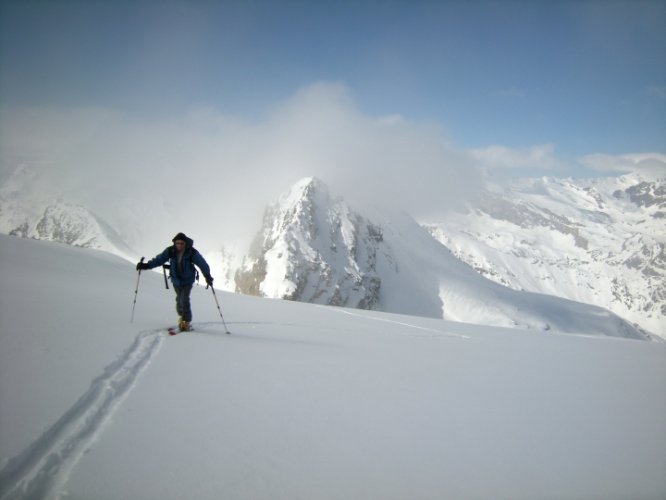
(428, 332)
(43, 468)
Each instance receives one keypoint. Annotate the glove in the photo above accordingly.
(209, 280)
(142, 266)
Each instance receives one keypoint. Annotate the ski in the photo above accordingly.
(172, 330)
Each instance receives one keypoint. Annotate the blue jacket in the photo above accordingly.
(183, 274)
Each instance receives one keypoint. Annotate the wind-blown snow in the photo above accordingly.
(304, 401)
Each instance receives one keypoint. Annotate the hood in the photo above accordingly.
(181, 236)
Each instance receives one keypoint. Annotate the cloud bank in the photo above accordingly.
(213, 174)
(647, 164)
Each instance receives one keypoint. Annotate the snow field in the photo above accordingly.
(305, 401)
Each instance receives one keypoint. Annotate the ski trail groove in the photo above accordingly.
(43, 468)
(431, 332)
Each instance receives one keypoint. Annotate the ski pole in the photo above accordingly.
(136, 291)
(220, 311)
(164, 268)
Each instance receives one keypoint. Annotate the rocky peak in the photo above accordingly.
(297, 209)
(313, 248)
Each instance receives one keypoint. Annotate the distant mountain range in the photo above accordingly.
(315, 248)
(26, 214)
(65, 223)
(598, 241)
(513, 260)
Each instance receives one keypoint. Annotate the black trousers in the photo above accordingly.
(183, 302)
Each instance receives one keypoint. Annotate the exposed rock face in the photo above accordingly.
(314, 248)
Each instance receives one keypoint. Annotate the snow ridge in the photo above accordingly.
(43, 468)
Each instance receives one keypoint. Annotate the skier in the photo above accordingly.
(182, 257)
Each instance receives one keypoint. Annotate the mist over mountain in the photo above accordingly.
(49, 218)
(210, 173)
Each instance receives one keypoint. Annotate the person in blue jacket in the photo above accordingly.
(182, 258)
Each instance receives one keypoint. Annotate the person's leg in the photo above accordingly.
(183, 303)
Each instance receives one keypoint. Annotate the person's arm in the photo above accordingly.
(158, 260)
(201, 263)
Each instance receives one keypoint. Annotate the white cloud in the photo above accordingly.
(649, 164)
(212, 174)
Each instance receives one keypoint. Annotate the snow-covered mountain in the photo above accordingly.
(598, 241)
(304, 401)
(315, 248)
(53, 219)
(71, 224)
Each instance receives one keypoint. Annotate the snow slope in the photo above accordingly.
(304, 401)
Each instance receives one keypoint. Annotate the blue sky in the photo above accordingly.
(527, 85)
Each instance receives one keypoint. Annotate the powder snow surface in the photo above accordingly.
(304, 401)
